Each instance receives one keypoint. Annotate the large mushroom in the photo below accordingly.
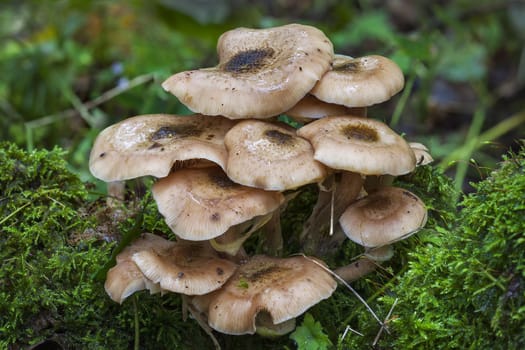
(270, 156)
(202, 204)
(261, 72)
(152, 144)
(282, 288)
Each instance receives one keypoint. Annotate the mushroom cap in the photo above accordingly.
(421, 153)
(360, 82)
(270, 156)
(284, 288)
(362, 145)
(386, 215)
(261, 72)
(191, 268)
(125, 278)
(310, 107)
(152, 144)
(201, 204)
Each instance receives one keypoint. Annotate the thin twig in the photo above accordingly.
(70, 113)
(348, 328)
(384, 323)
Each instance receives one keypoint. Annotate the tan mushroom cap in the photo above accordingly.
(270, 156)
(261, 72)
(152, 144)
(309, 107)
(125, 278)
(191, 268)
(365, 146)
(284, 288)
(201, 204)
(421, 153)
(385, 216)
(360, 82)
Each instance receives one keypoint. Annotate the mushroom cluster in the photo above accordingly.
(229, 170)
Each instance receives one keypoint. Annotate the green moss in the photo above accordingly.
(52, 241)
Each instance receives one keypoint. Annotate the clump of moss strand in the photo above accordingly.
(463, 288)
(52, 242)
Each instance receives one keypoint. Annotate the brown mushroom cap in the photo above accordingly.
(152, 144)
(360, 82)
(270, 156)
(191, 268)
(421, 153)
(284, 288)
(383, 217)
(309, 107)
(201, 204)
(365, 146)
(125, 278)
(261, 72)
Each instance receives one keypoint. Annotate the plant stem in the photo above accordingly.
(403, 99)
(136, 345)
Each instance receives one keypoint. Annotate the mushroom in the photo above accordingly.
(283, 288)
(365, 146)
(421, 153)
(359, 82)
(383, 217)
(201, 204)
(152, 144)
(310, 108)
(190, 268)
(261, 72)
(125, 278)
(270, 156)
(366, 263)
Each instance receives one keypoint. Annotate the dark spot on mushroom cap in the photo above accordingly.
(280, 138)
(264, 273)
(360, 132)
(215, 217)
(348, 67)
(101, 155)
(220, 271)
(180, 274)
(249, 61)
(175, 131)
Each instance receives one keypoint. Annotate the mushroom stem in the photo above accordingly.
(116, 191)
(357, 269)
(315, 237)
(273, 238)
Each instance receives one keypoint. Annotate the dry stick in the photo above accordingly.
(348, 328)
(69, 113)
(347, 286)
(332, 203)
(386, 319)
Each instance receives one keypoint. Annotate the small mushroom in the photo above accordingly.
(421, 153)
(283, 288)
(384, 216)
(201, 204)
(362, 145)
(152, 144)
(359, 82)
(125, 278)
(310, 108)
(190, 268)
(270, 156)
(261, 72)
